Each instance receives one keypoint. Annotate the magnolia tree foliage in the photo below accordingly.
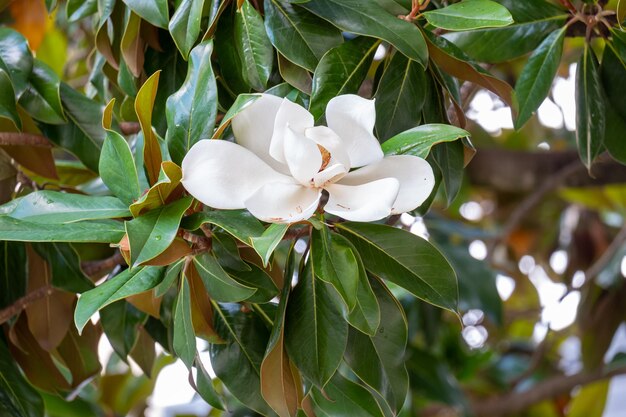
(190, 175)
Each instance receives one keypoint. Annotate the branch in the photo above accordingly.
(518, 401)
(95, 268)
(23, 302)
(24, 139)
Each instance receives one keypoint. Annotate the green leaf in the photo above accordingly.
(237, 362)
(230, 62)
(52, 207)
(534, 20)
(13, 272)
(590, 400)
(125, 284)
(191, 110)
(150, 234)
(8, 109)
(253, 46)
(242, 101)
(185, 25)
(315, 332)
(613, 69)
(370, 19)
(297, 34)
(449, 158)
(17, 397)
(120, 322)
(335, 263)
(469, 14)
(366, 315)
(204, 386)
(85, 231)
(259, 280)
(265, 244)
(238, 223)
(184, 339)
(42, 97)
(295, 75)
(341, 71)
(15, 58)
(420, 140)
(65, 265)
(117, 168)
(378, 360)
(406, 260)
(536, 78)
(621, 12)
(400, 97)
(342, 397)
(173, 271)
(590, 111)
(154, 11)
(79, 9)
(218, 283)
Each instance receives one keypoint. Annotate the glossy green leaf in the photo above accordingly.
(341, 71)
(57, 207)
(259, 280)
(335, 262)
(17, 397)
(238, 223)
(297, 34)
(450, 159)
(378, 360)
(295, 75)
(535, 81)
(590, 113)
(125, 284)
(469, 14)
(237, 362)
(8, 109)
(117, 168)
(406, 260)
(218, 283)
(64, 264)
(102, 231)
(265, 244)
(534, 20)
(15, 58)
(315, 332)
(612, 70)
(230, 62)
(185, 25)
(254, 46)
(400, 97)
(79, 9)
(204, 386)
(120, 322)
(370, 19)
(420, 140)
(154, 11)
(151, 233)
(42, 99)
(13, 272)
(184, 339)
(366, 315)
(171, 274)
(191, 110)
(342, 397)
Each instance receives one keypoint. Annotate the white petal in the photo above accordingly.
(352, 118)
(289, 114)
(253, 128)
(414, 174)
(223, 174)
(325, 137)
(362, 203)
(331, 174)
(283, 203)
(303, 156)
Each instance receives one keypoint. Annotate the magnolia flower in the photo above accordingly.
(281, 163)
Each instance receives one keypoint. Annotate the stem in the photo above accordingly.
(24, 139)
(23, 302)
(568, 5)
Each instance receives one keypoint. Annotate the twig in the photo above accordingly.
(568, 5)
(24, 139)
(607, 255)
(515, 402)
(94, 268)
(130, 128)
(23, 302)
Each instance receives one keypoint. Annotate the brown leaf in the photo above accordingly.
(79, 352)
(147, 302)
(144, 104)
(201, 309)
(178, 249)
(133, 45)
(164, 191)
(31, 20)
(278, 382)
(49, 318)
(144, 352)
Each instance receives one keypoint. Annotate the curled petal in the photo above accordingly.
(303, 157)
(223, 174)
(283, 203)
(362, 203)
(328, 139)
(414, 174)
(331, 174)
(292, 115)
(253, 128)
(353, 118)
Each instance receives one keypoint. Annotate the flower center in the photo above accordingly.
(325, 157)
